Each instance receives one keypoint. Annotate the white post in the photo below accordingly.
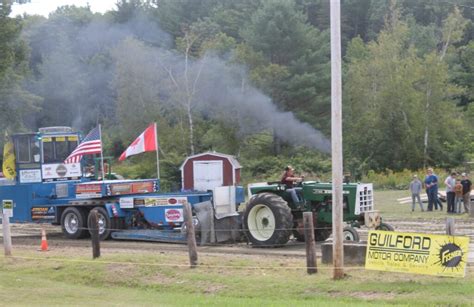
(101, 153)
(450, 226)
(7, 239)
(336, 140)
(157, 155)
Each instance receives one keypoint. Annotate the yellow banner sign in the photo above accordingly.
(439, 255)
(8, 167)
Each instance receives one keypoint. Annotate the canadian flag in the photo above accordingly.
(147, 141)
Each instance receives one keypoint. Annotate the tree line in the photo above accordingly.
(249, 78)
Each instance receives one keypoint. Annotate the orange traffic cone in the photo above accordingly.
(44, 242)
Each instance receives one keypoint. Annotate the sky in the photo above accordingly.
(44, 7)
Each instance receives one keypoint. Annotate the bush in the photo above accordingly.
(311, 164)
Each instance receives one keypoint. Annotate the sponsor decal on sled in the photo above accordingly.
(174, 215)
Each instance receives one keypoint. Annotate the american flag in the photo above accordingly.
(91, 144)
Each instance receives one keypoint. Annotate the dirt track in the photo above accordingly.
(28, 235)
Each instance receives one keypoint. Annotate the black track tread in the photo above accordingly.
(283, 219)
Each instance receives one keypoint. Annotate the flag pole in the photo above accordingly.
(101, 153)
(157, 154)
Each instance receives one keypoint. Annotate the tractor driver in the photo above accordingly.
(288, 178)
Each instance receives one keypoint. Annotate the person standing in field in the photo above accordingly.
(457, 196)
(431, 185)
(466, 191)
(415, 189)
(438, 203)
(450, 182)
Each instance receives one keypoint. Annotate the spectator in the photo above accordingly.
(466, 192)
(415, 188)
(440, 204)
(431, 185)
(457, 196)
(450, 182)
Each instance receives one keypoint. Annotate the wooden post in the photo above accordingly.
(311, 264)
(336, 139)
(94, 224)
(191, 238)
(450, 226)
(7, 239)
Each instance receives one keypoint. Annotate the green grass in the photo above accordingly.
(151, 279)
(386, 202)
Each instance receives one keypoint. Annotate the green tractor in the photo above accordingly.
(271, 216)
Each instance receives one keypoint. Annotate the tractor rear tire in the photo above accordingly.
(105, 223)
(268, 220)
(73, 223)
(350, 234)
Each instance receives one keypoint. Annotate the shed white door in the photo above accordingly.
(207, 175)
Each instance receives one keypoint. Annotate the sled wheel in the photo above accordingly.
(73, 223)
(104, 222)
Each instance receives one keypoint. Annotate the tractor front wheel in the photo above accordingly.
(268, 220)
(385, 226)
(350, 234)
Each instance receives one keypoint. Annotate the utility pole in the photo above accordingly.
(336, 140)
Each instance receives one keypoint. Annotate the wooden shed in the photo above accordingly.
(208, 170)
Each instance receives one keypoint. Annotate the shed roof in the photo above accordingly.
(231, 158)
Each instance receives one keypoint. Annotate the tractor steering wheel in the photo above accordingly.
(300, 182)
